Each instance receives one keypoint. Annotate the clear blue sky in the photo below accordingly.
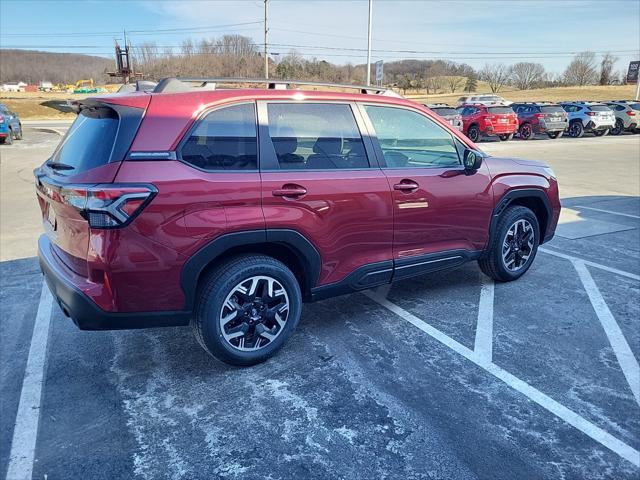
(475, 32)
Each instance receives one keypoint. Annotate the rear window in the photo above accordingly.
(552, 109)
(500, 110)
(89, 141)
(599, 108)
(445, 111)
(635, 106)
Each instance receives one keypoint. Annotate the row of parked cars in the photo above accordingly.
(491, 116)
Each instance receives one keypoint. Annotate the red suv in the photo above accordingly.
(226, 209)
(488, 121)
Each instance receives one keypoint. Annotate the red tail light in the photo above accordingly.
(631, 113)
(591, 114)
(109, 205)
(539, 115)
(1, 119)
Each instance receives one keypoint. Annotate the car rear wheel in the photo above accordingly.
(601, 133)
(554, 135)
(246, 310)
(526, 131)
(513, 245)
(473, 133)
(617, 130)
(576, 130)
(505, 137)
(19, 133)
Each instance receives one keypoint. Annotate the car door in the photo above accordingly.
(320, 179)
(441, 212)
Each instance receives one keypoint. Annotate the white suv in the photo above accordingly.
(592, 117)
(484, 99)
(627, 114)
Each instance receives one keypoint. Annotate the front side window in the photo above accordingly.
(224, 140)
(411, 140)
(315, 136)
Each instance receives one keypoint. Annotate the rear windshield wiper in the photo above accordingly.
(59, 166)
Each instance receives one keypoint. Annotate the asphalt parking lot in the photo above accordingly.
(446, 376)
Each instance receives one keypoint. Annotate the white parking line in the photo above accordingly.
(599, 435)
(590, 263)
(626, 359)
(23, 444)
(606, 211)
(484, 329)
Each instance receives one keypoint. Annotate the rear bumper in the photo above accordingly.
(84, 312)
(500, 130)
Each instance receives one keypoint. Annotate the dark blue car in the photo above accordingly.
(10, 126)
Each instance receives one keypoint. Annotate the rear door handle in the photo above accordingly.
(289, 190)
(406, 185)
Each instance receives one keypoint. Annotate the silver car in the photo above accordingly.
(450, 114)
(627, 113)
(592, 117)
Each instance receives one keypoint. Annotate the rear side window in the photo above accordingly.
(411, 140)
(635, 106)
(225, 139)
(89, 141)
(500, 110)
(315, 136)
(600, 108)
(445, 111)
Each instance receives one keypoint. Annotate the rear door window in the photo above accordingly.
(89, 141)
(315, 136)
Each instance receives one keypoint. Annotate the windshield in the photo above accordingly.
(600, 108)
(89, 141)
(500, 110)
(552, 109)
(445, 111)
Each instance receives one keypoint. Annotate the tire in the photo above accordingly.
(526, 131)
(618, 129)
(493, 263)
(217, 300)
(576, 129)
(505, 137)
(19, 134)
(554, 135)
(601, 133)
(473, 133)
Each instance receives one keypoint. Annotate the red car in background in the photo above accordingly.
(488, 121)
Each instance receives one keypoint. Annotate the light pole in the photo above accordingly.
(369, 44)
(266, 31)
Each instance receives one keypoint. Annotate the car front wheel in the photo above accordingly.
(246, 310)
(617, 130)
(513, 245)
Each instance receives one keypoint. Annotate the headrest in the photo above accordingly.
(328, 146)
(285, 145)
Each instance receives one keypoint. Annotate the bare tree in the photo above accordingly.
(454, 82)
(607, 76)
(582, 70)
(526, 75)
(497, 75)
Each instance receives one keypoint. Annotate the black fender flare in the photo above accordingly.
(510, 196)
(306, 253)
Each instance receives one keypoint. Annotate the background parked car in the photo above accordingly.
(450, 114)
(486, 121)
(592, 117)
(10, 126)
(627, 113)
(483, 99)
(540, 117)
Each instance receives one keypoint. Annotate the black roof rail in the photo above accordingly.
(184, 84)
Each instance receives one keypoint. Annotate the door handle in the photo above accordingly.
(289, 190)
(406, 185)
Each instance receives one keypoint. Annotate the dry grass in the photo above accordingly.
(556, 94)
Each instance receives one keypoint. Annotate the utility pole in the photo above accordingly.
(266, 32)
(369, 44)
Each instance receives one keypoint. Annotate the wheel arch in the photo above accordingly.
(534, 199)
(288, 246)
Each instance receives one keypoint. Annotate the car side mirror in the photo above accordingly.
(472, 160)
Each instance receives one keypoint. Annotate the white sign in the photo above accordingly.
(379, 71)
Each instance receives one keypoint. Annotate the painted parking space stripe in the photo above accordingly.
(25, 430)
(626, 359)
(607, 211)
(590, 263)
(484, 329)
(596, 433)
